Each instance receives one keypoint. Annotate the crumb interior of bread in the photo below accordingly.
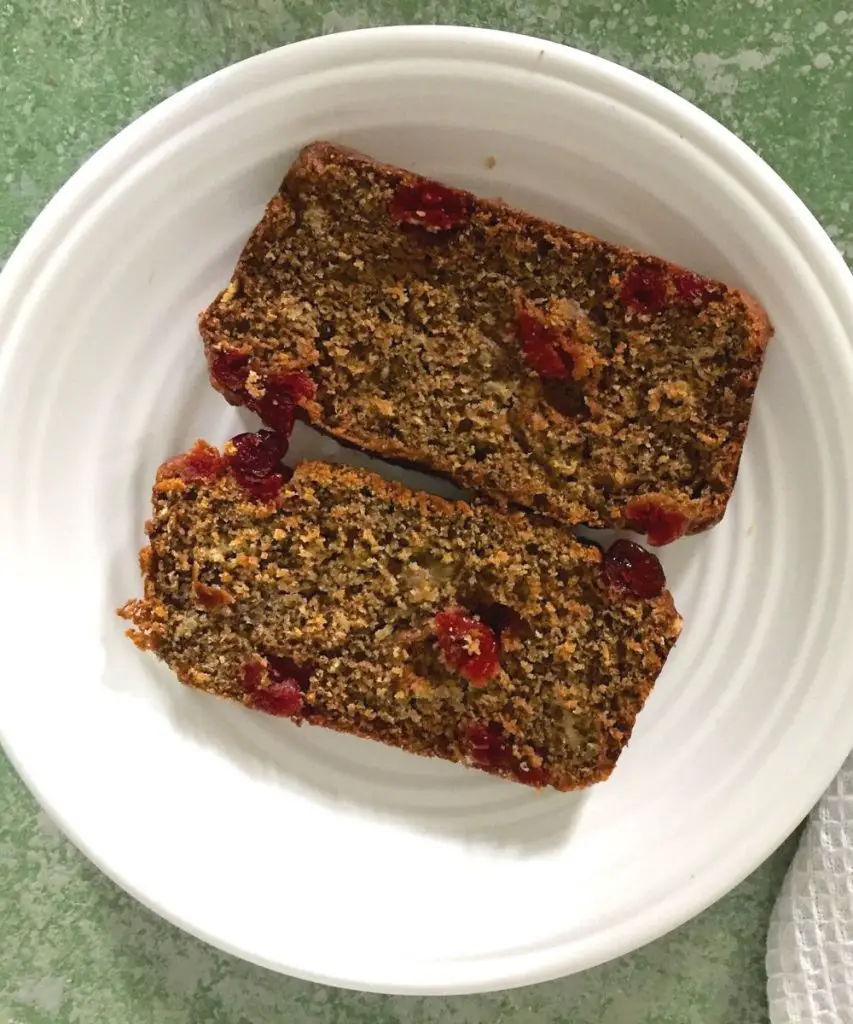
(347, 576)
(412, 339)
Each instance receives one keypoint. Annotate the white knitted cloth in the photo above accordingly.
(810, 941)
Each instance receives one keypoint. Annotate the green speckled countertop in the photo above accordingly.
(73, 948)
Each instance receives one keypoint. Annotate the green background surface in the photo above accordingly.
(73, 948)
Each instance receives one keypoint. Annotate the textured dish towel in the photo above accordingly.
(810, 942)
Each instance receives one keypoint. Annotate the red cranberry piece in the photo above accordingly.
(256, 463)
(630, 567)
(230, 369)
(261, 488)
(693, 288)
(541, 348)
(431, 205)
(298, 383)
(285, 669)
(252, 675)
(644, 289)
(479, 737)
(287, 683)
(487, 744)
(281, 699)
(468, 646)
(282, 393)
(661, 525)
(257, 454)
(491, 749)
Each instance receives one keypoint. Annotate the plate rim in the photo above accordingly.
(833, 273)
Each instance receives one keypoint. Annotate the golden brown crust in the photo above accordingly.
(344, 573)
(412, 339)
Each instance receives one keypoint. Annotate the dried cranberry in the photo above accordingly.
(487, 744)
(478, 737)
(257, 454)
(660, 524)
(644, 289)
(281, 699)
(541, 348)
(230, 370)
(255, 462)
(431, 205)
(630, 567)
(284, 669)
(491, 749)
(693, 288)
(287, 683)
(282, 393)
(468, 646)
(252, 675)
(261, 488)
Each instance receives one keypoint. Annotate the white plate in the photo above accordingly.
(333, 858)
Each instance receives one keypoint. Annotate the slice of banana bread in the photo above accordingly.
(528, 362)
(336, 598)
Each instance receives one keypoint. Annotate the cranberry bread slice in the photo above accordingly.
(528, 362)
(336, 598)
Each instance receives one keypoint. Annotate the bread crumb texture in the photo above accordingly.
(528, 362)
(340, 577)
